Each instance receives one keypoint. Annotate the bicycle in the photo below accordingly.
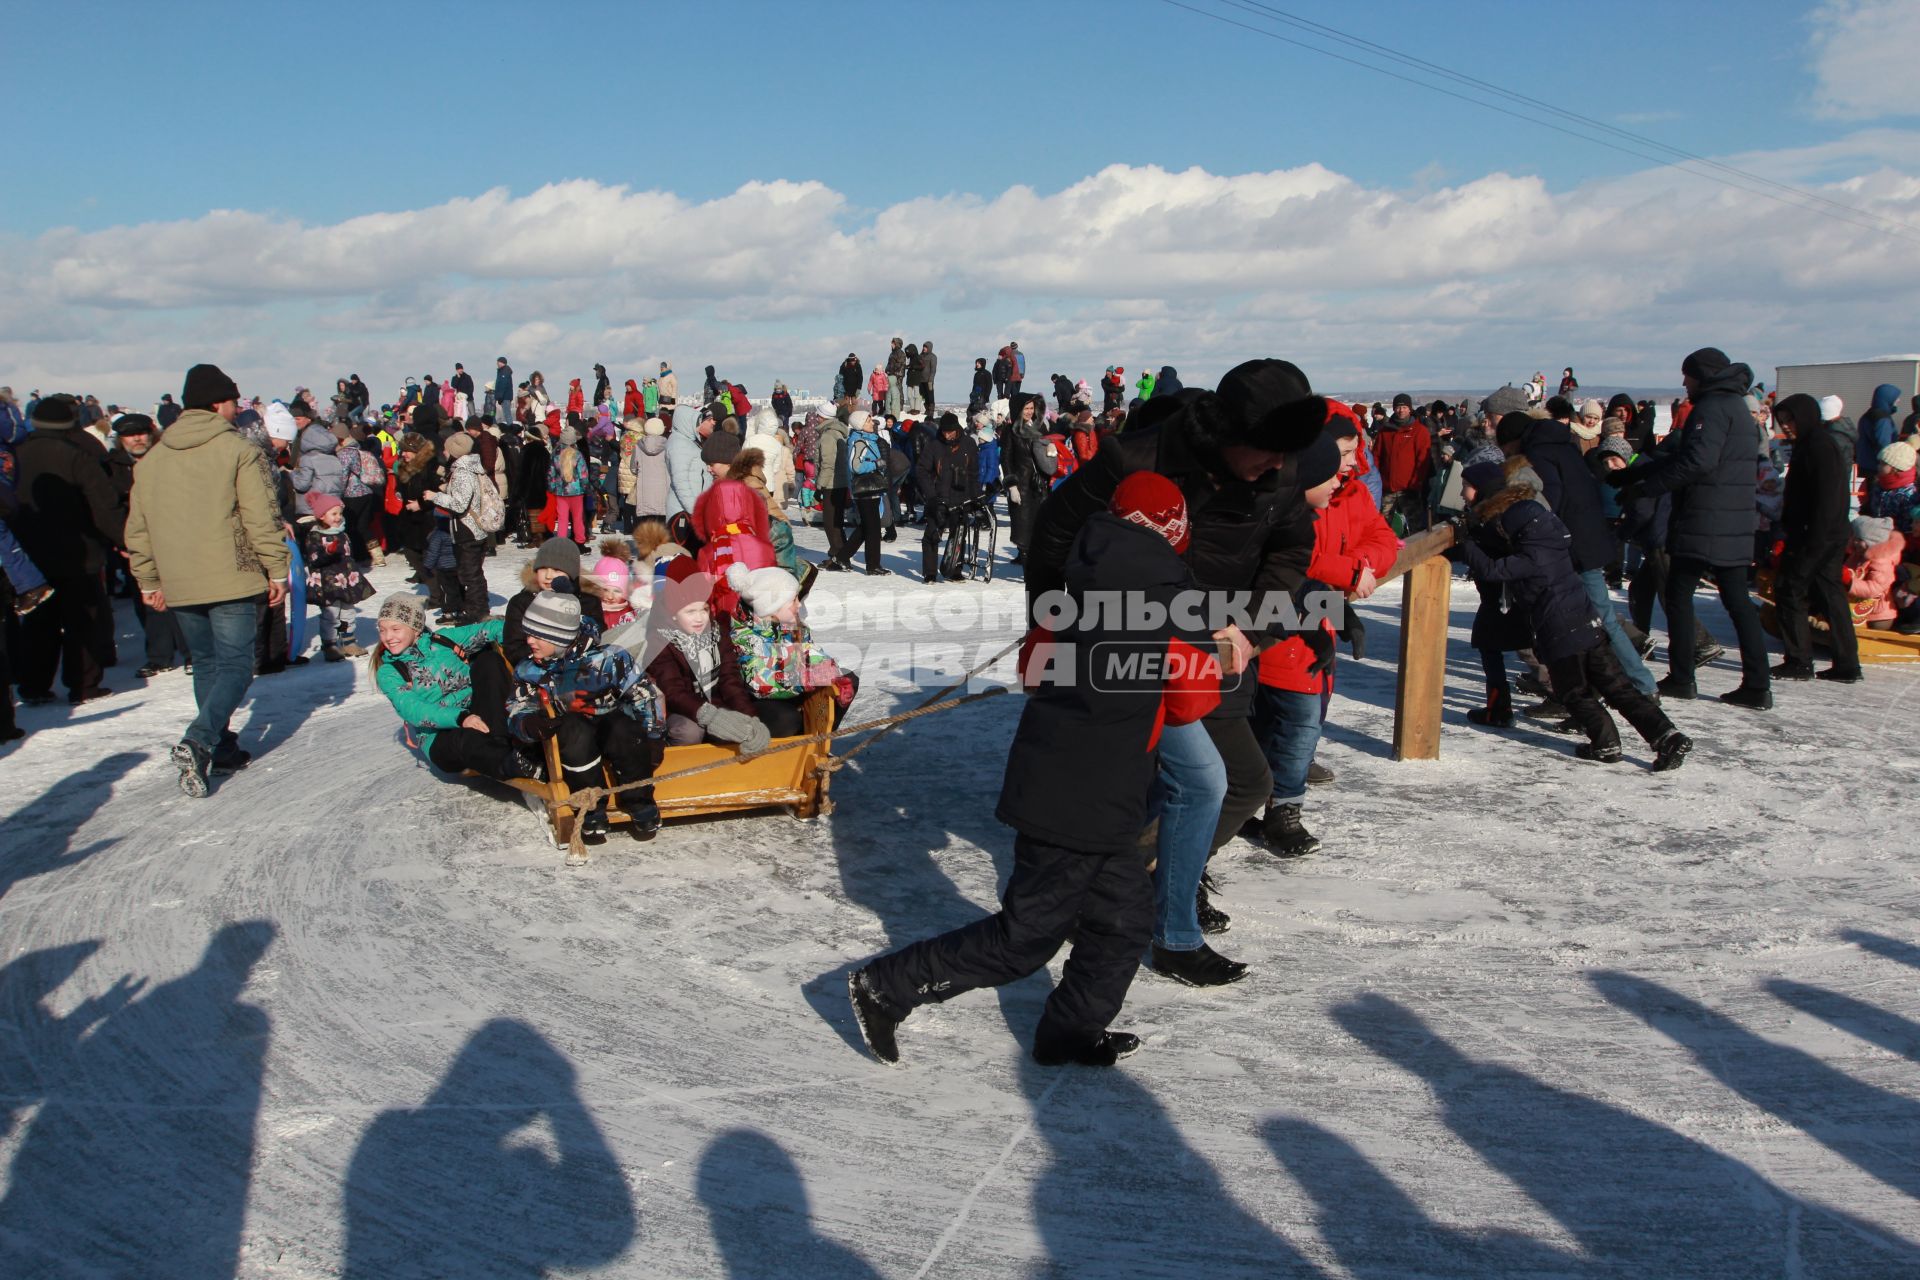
(974, 531)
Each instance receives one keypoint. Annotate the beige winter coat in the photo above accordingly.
(203, 526)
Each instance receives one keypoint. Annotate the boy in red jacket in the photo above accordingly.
(1352, 547)
(1100, 687)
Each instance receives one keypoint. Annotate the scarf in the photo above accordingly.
(702, 653)
(1898, 479)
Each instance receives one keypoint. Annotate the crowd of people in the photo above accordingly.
(664, 601)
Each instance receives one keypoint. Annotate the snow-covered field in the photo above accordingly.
(1523, 1017)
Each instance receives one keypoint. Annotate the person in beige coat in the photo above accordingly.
(204, 540)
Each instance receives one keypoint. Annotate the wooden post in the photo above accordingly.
(1423, 658)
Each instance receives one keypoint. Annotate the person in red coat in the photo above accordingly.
(1403, 452)
(1352, 547)
(634, 405)
(732, 522)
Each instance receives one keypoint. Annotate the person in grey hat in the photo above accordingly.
(596, 701)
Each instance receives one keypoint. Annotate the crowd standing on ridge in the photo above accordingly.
(664, 604)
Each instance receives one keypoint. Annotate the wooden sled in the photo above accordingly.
(1874, 646)
(797, 779)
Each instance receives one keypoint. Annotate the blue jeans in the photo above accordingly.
(1288, 726)
(1595, 581)
(1193, 785)
(220, 638)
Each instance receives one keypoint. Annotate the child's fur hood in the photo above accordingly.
(1523, 485)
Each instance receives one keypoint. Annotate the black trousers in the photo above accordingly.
(166, 647)
(457, 750)
(1648, 585)
(867, 506)
(1682, 581)
(492, 683)
(360, 512)
(1580, 682)
(617, 741)
(72, 633)
(833, 516)
(465, 587)
(1249, 776)
(1103, 900)
(939, 523)
(1814, 579)
(271, 641)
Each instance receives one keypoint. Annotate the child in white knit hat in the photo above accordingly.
(779, 658)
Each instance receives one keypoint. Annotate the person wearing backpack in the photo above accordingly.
(867, 482)
(474, 504)
(363, 492)
(566, 483)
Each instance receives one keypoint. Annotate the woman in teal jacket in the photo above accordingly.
(441, 682)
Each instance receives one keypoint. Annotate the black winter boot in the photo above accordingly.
(1754, 698)
(1284, 835)
(877, 1024)
(1498, 713)
(1212, 919)
(1102, 1051)
(1671, 751)
(1202, 967)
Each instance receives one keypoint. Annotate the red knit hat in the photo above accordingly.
(1152, 501)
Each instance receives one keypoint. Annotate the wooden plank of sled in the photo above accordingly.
(1886, 646)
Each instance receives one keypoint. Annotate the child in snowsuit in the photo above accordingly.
(1516, 543)
(1079, 868)
(596, 701)
(779, 660)
(696, 667)
(333, 579)
(555, 567)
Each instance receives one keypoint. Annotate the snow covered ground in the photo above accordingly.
(1523, 1017)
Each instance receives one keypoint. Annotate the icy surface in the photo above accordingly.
(1523, 1017)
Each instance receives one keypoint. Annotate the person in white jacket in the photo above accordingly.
(687, 473)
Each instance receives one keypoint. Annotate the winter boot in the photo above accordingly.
(27, 601)
(333, 655)
(1318, 775)
(1598, 752)
(1707, 653)
(194, 762)
(1202, 967)
(593, 824)
(1671, 751)
(1498, 713)
(1284, 835)
(646, 817)
(1102, 1051)
(1842, 675)
(229, 756)
(1754, 698)
(1213, 920)
(877, 1025)
(353, 649)
(1793, 669)
(1678, 686)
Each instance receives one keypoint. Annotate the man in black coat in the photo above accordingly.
(1712, 476)
(1573, 494)
(1062, 391)
(948, 473)
(929, 365)
(463, 384)
(1230, 452)
(70, 518)
(1079, 870)
(1815, 509)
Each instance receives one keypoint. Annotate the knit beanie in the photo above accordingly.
(611, 573)
(1152, 501)
(1831, 407)
(568, 437)
(559, 553)
(280, 424)
(1513, 426)
(1899, 455)
(457, 445)
(1617, 444)
(654, 427)
(721, 447)
(206, 387)
(763, 591)
(1270, 405)
(406, 608)
(1403, 399)
(1486, 478)
(1318, 463)
(57, 412)
(553, 616)
(1873, 530)
(321, 503)
(1503, 402)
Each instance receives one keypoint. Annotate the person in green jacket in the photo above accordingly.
(1145, 386)
(441, 682)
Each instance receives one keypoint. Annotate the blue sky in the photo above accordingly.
(307, 116)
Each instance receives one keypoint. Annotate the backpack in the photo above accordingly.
(866, 463)
(487, 510)
(373, 472)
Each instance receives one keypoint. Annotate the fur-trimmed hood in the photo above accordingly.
(1523, 485)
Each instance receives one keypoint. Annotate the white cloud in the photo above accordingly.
(1458, 285)
(1865, 53)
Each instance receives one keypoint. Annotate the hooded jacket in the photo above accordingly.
(1403, 452)
(1348, 536)
(430, 683)
(687, 475)
(69, 508)
(652, 489)
(831, 474)
(1872, 572)
(1710, 474)
(320, 469)
(947, 474)
(1516, 543)
(1817, 499)
(203, 524)
(1098, 720)
(1571, 491)
(1879, 427)
(634, 405)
